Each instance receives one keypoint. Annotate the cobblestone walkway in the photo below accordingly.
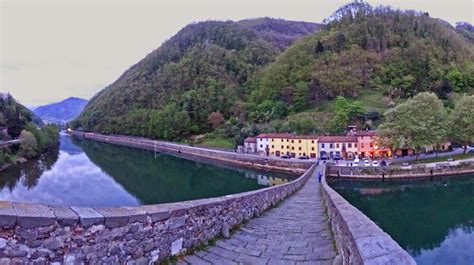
(295, 232)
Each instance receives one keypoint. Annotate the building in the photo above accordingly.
(250, 145)
(338, 146)
(279, 144)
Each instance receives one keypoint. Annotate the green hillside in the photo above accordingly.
(233, 79)
(377, 55)
(204, 68)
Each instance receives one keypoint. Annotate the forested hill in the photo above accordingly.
(235, 79)
(204, 68)
(15, 116)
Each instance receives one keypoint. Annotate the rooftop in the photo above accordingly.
(332, 139)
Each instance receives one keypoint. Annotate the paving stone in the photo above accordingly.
(247, 259)
(297, 231)
(195, 260)
(229, 254)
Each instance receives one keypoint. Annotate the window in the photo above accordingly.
(343, 145)
(299, 141)
(273, 146)
(287, 140)
(273, 139)
(292, 141)
(349, 145)
(331, 145)
(282, 147)
(312, 148)
(281, 140)
(362, 145)
(287, 147)
(292, 148)
(312, 141)
(299, 148)
(337, 145)
(355, 145)
(261, 146)
(322, 145)
(371, 145)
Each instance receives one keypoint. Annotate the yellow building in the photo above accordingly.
(292, 145)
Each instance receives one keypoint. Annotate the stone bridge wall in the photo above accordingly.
(245, 160)
(359, 239)
(36, 233)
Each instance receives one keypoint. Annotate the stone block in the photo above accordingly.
(176, 246)
(135, 214)
(156, 212)
(31, 215)
(88, 216)
(7, 214)
(401, 257)
(114, 216)
(373, 246)
(65, 216)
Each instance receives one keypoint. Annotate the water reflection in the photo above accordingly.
(434, 221)
(88, 173)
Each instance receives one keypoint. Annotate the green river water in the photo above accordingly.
(433, 221)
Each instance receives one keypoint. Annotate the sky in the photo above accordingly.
(51, 50)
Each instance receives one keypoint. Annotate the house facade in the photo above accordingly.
(250, 145)
(338, 147)
(280, 144)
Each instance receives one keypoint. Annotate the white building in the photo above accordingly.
(262, 144)
(337, 146)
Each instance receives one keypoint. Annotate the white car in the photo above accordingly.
(375, 163)
(366, 163)
(356, 162)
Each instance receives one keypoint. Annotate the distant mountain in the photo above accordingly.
(63, 111)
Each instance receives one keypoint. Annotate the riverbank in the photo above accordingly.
(244, 160)
(419, 171)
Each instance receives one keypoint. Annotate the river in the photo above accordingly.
(88, 173)
(433, 221)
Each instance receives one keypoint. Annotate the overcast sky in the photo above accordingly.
(51, 50)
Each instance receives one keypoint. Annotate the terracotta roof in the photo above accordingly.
(332, 139)
(250, 140)
(286, 136)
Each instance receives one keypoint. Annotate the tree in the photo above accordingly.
(462, 121)
(416, 123)
(215, 119)
(29, 146)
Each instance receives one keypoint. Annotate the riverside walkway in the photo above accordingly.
(295, 232)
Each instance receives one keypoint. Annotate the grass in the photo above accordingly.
(217, 142)
(442, 159)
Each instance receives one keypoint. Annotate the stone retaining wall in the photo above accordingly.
(397, 173)
(35, 233)
(359, 239)
(245, 160)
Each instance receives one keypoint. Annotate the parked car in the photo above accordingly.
(337, 157)
(366, 163)
(324, 157)
(356, 162)
(285, 156)
(304, 157)
(375, 163)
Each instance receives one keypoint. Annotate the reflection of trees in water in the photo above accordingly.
(420, 215)
(166, 178)
(28, 173)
